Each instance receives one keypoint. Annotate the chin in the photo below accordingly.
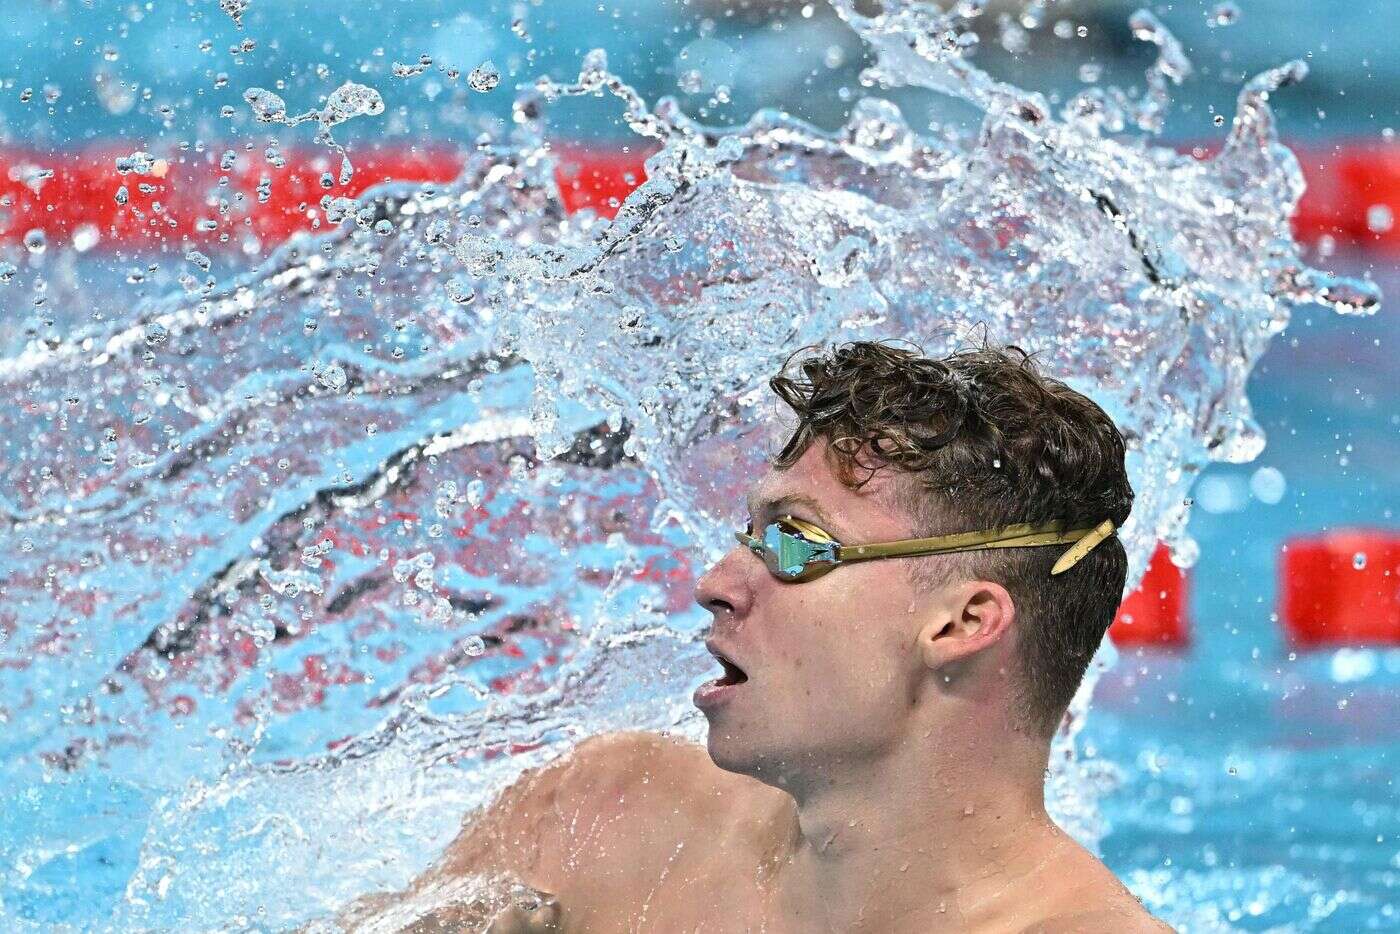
(742, 756)
(726, 750)
(734, 752)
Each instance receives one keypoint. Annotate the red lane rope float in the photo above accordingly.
(176, 203)
(1353, 192)
(1154, 615)
(1353, 195)
(1341, 588)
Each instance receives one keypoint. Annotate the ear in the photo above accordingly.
(971, 617)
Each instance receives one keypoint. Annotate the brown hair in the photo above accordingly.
(988, 441)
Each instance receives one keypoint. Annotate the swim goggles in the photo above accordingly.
(796, 551)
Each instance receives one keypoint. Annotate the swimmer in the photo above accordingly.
(929, 564)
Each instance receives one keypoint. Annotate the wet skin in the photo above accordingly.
(863, 773)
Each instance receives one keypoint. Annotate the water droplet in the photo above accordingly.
(460, 292)
(401, 70)
(445, 504)
(1268, 485)
(351, 100)
(36, 241)
(85, 237)
(338, 209)
(330, 375)
(484, 77)
(235, 10)
(156, 333)
(1380, 218)
(266, 106)
(474, 646)
(691, 81)
(1223, 14)
(1358, 560)
(7, 270)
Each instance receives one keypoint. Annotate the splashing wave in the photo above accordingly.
(428, 489)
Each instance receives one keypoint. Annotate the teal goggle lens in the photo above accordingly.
(789, 555)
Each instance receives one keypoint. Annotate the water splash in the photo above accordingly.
(257, 524)
(347, 101)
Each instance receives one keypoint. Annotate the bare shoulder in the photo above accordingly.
(610, 811)
(1119, 919)
(587, 836)
(1092, 901)
(661, 792)
(601, 783)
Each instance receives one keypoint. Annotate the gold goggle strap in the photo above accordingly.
(1024, 535)
(1082, 547)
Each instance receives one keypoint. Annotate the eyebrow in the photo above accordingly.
(757, 507)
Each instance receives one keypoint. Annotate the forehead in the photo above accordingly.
(869, 510)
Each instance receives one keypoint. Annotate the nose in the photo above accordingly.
(726, 589)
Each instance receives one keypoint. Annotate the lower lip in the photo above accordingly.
(712, 694)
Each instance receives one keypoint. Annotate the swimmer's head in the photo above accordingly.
(891, 445)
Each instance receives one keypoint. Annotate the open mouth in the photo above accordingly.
(733, 674)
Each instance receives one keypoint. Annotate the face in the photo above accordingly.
(826, 670)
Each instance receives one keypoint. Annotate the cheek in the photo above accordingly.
(846, 636)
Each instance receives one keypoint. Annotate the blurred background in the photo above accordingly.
(1255, 762)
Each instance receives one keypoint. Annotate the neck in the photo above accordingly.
(934, 836)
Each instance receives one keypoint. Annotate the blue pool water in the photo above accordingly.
(1264, 776)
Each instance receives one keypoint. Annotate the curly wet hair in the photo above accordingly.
(981, 439)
